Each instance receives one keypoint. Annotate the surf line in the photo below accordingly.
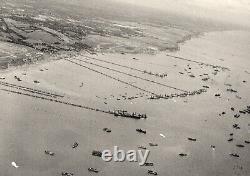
(198, 62)
(116, 113)
(171, 87)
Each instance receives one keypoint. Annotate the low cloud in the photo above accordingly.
(234, 11)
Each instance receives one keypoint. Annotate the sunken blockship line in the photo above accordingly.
(185, 94)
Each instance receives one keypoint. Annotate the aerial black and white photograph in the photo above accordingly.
(124, 87)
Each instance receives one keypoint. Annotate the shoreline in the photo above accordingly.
(72, 53)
